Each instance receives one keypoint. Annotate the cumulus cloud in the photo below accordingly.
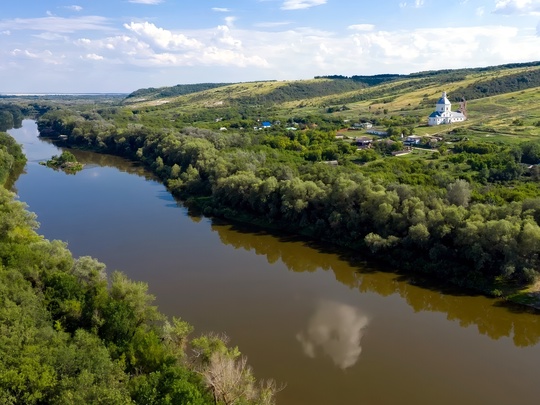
(301, 4)
(163, 38)
(149, 45)
(336, 329)
(522, 7)
(92, 56)
(224, 36)
(220, 9)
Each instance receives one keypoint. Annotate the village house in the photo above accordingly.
(412, 140)
(443, 113)
(363, 142)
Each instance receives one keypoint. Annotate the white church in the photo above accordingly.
(443, 113)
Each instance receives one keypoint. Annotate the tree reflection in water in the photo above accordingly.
(493, 318)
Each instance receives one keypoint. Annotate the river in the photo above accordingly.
(334, 329)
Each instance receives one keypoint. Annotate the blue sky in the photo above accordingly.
(123, 45)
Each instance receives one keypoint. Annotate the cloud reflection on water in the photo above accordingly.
(337, 329)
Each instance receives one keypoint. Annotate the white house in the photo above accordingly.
(443, 113)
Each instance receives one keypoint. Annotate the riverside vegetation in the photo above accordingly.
(70, 335)
(66, 162)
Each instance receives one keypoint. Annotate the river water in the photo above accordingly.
(334, 329)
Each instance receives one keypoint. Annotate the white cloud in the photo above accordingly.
(163, 38)
(224, 37)
(74, 8)
(230, 21)
(271, 24)
(45, 56)
(151, 2)
(523, 7)
(92, 56)
(154, 46)
(361, 27)
(6, 32)
(57, 24)
(480, 11)
(220, 9)
(301, 4)
(417, 4)
(51, 36)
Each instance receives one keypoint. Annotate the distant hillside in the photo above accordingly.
(178, 90)
(300, 90)
(413, 94)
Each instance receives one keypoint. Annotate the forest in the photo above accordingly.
(72, 334)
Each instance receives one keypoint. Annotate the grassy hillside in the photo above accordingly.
(502, 101)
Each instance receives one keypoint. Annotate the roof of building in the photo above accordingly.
(453, 114)
(443, 99)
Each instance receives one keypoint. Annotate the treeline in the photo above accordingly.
(442, 75)
(11, 116)
(70, 335)
(301, 90)
(419, 215)
(11, 156)
(372, 80)
(178, 90)
(499, 85)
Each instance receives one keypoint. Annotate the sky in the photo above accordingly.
(118, 46)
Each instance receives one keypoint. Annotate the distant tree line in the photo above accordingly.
(178, 90)
(499, 85)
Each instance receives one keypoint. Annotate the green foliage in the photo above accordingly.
(66, 161)
(177, 90)
(11, 156)
(500, 85)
